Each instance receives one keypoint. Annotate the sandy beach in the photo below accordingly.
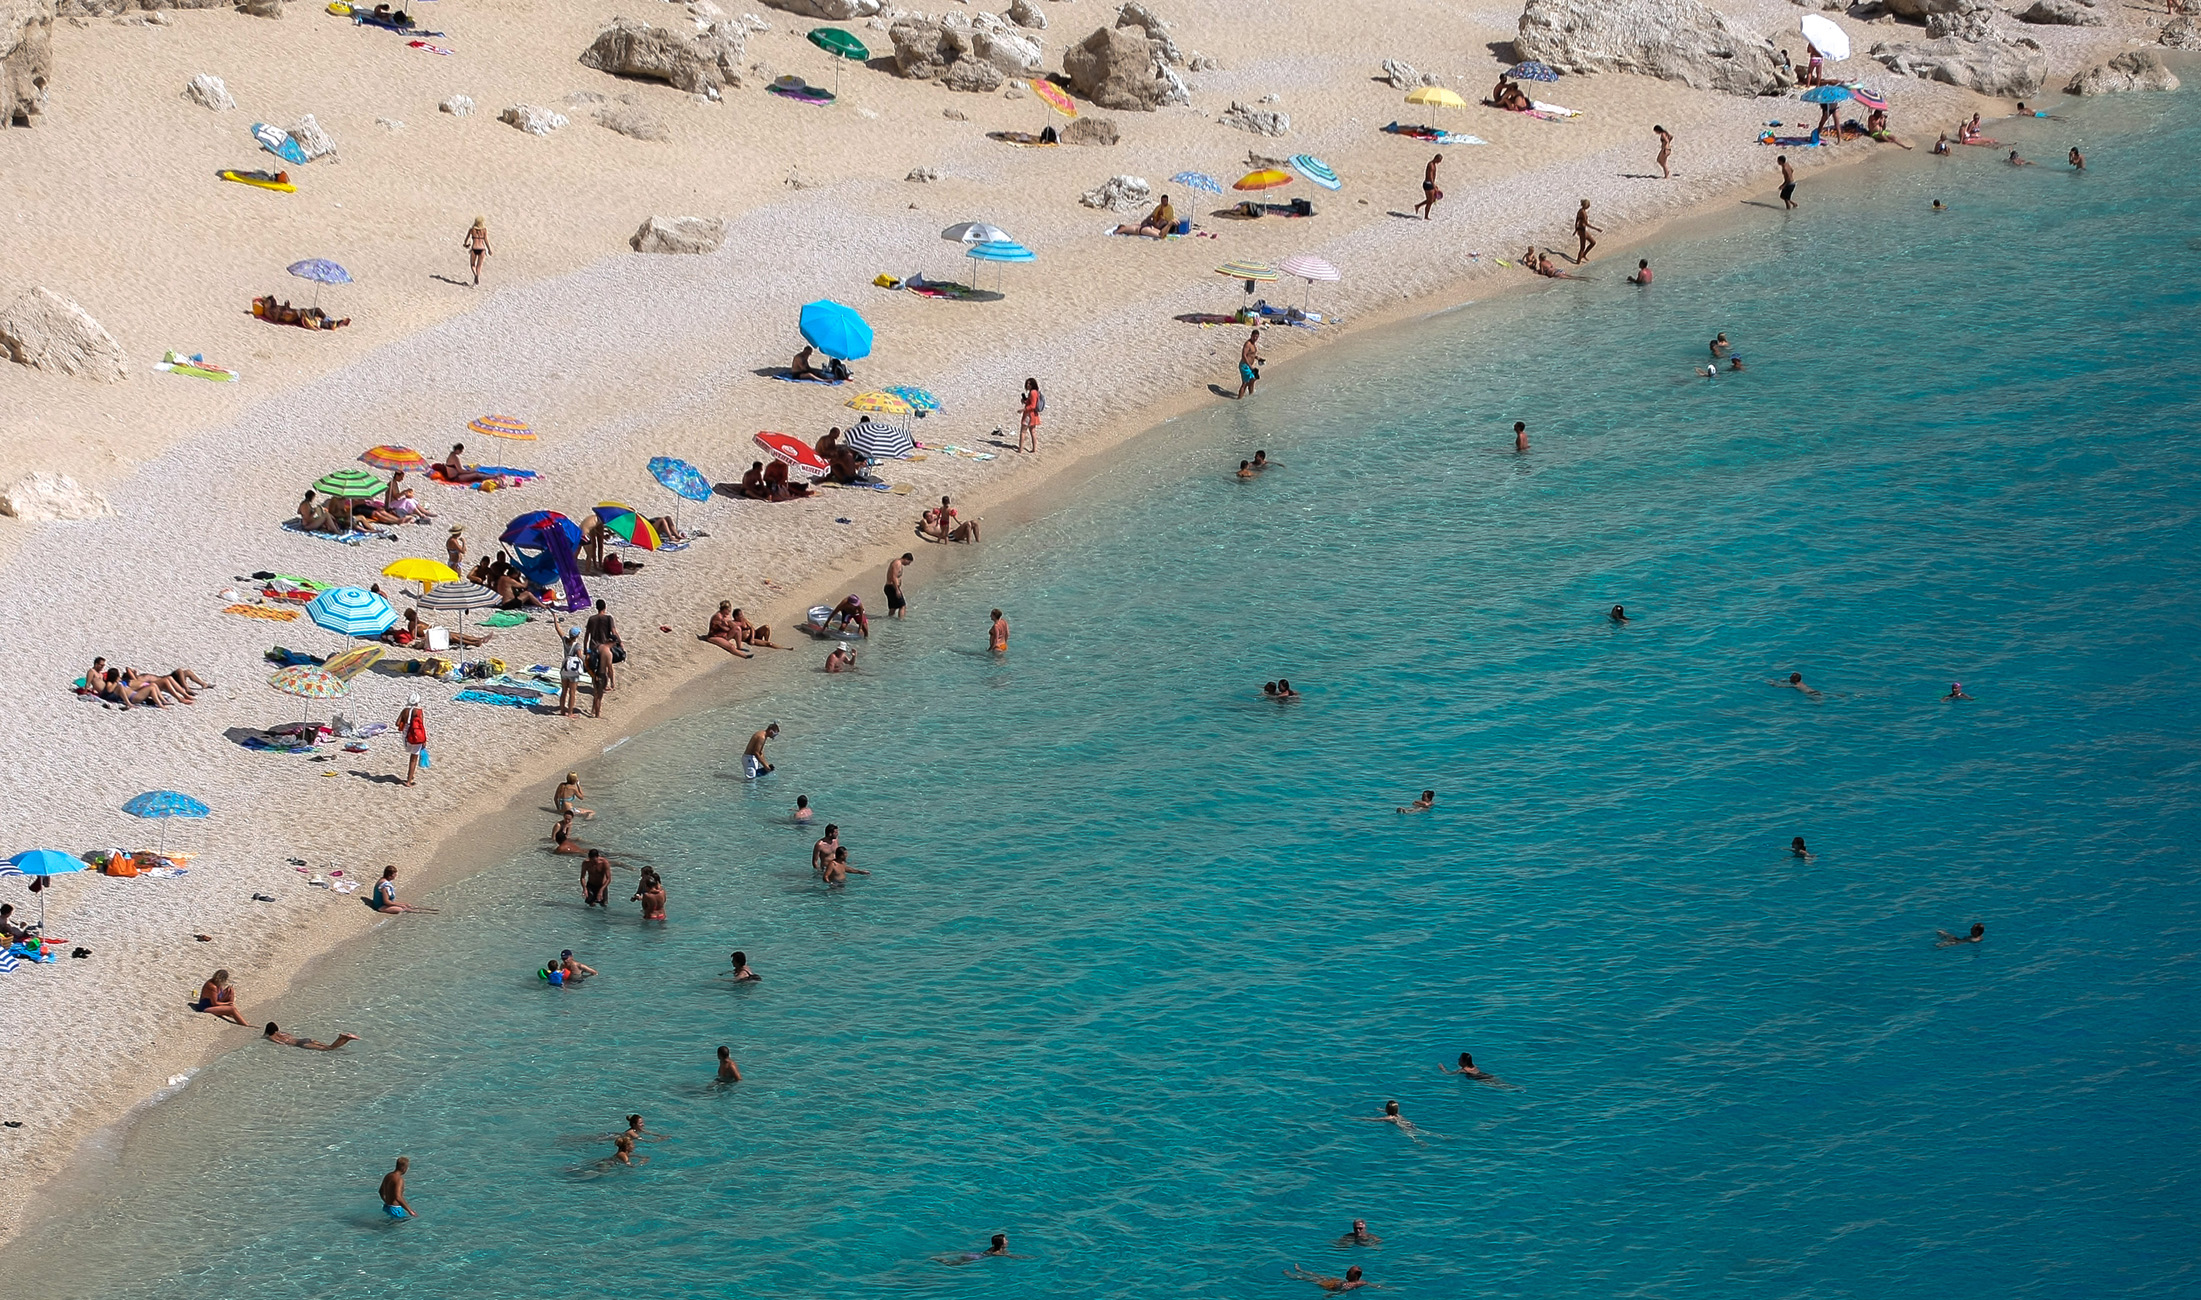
(616, 357)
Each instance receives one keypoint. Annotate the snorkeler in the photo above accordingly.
(1947, 940)
(1428, 798)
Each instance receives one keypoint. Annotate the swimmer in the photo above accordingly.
(841, 660)
(1795, 682)
(1619, 614)
(2077, 160)
(276, 1035)
(822, 852)
(1284, 690)
(1423, 804)
(728, 1072)
(1642, 272)
(1796, 849)
(1721, 347)
(1245, 469)
(1520, 435)
(802, 810)
(561, 834)
(1359, 1236)
(1391, 1115)
(741, 971)
(392, 1191)
(1947, 940)
(622, 1150)
(1939, 206)
(1352, 1281)
(1467, 1068)
(836, 871)
(634, 1128)
(1261, 461)
(998, 1248)
(1956, 692)
(2016, 161)
(574, 971)
(1709, 371)
(1734, 363)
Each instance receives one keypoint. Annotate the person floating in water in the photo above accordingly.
(1468, 1070)
(275, 1035)
(998, 1248)
(1796, 849)
(802, 810)
(1795, 682)
(1947, 940)
(1352, 1281)
(1956, 692)
(1428, 799)
(741, 972)
(1619, 614)
(392, 1191)
(1359, 1236)
(728, 1072)
(2016, 161)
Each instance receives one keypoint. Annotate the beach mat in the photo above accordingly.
(502, 618)
(352, 538)
(496, 700)
(261, 612)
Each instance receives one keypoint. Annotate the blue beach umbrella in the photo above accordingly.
(1314, 169)
(42, 862)
(1197, 181)
(162, 805)
(680, 478)
(320, 270)
(1534, 71)
(835, 329)
(351, 611)
(921, 400)
(1825, 95)
(1000, 252)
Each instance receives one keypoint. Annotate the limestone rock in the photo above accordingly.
(680, 235)
(923, 49)
(1026, 14)
(1135, 14)
(632, 122)
(1919, 10)
(922, 175)
(533, 120)
(46, 331)
(262, 8)
(751, 22)
(1016, 56)
(41, 495)
(1118, 67)
(207, 91)
(2062, 13)
(699, 63)
(1015, 90)
(832, 11)
(1260, 121)
(26, 59)
(1967, 51)
(1119, 194)
(2181, 34)
(955, 115)
(311, 139)
(2133, 70)
(1400, 74)
(1091, 130)
(389, 124)
(974, 75)
(1676, 40)
(457, 105)
(1205, 63)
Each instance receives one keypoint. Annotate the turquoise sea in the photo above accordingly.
(1143, 951)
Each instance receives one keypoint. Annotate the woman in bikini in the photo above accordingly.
(726, 630)
(1029, 408)
(217, 998)
(477, 247)
(455, 470)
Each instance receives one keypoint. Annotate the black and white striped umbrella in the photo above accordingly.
(458, 595)
(875, 441)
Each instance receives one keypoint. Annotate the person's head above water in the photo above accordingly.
(1001, 1241)
(725, 1052)
(740, 959)
(270, 1031)
(1390, 1108)
(1467, 1061)
(1797, 844)
(1978, 929)
(1353, 1274)
(1795, 679)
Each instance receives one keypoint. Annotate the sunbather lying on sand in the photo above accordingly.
(1542, 264)
(1158, 223)
(1509, 97)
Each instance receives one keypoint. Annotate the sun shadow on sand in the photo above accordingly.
(379, 778)
(448, 280)
(1221, 391)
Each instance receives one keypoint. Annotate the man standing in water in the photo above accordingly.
(997, 638)
(897, 604)
(1249, 358)
(753, 764)
(1520, 435)
(596, 880)
(1582, 229)
(1429, 191)
(1788, 181)
(393, 1190)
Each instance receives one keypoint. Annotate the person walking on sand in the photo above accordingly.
(596, 880)
(1788, 181)
(1665, 151)
(997, 638)
(569, 672)
(454, 546)
(1429, 191)
(898, 604)
(412, 726)
(477, 247)
(1582, 229)
(393, 1191)
(753, 764)
(1030, 406)
(1249, 359)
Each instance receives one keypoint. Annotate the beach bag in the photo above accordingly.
(121, 864)
(1303, 208)
(416, 729)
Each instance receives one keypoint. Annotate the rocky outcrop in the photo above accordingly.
(699, 63)
(105, 8)
(46, 331)
(1091, 131)
(1968, 49)
(1260, 121)
(311, 140)
(41, 495)
(1676, 40)
(1915, 10)
(1119, 194)
(207, 91)
(832, 11)
(1402, 76)
(2062, 13)
(2133, 70)
(1135, 14)
(631, 122)
(1118, 67)
(1026, 14)
(973, 76)
(457, 105)
(965, 56)
(262, 8)
(533, 120)
(924, 49)
(26, 59)
(680, 235)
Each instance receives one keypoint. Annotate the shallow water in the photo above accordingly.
(1143, 950)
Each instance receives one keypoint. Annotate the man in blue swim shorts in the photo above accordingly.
(1249, 357)
(393, 1190)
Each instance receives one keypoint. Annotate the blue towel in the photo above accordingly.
(487, 697)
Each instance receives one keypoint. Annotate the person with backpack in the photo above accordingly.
(1034, 405)
(412, 725)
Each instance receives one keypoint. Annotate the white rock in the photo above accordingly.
(533, 120)
(2133, 70)
(754, 23)
(680, 235)
(1260, 121)
(922, 175)
(1677, 40)
(456, 105)
(389, 124)
(832, 11)
(207, 91)
(1026, 14)
(312, 140)
(1119, 194)
(46, 331)
(42, 495)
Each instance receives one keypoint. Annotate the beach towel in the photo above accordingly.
(803, 94)
(787, 377)
(261, 612)
(507, 477)
(1554, 109)
(931, 289)
(432, 49)
(352, 538)
(503, 618)
(280, 656)
(195, 365)
(1021, 139)
(472, 696)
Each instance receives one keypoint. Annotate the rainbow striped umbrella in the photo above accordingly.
(502, 426)
(628, 522)
(390, 457)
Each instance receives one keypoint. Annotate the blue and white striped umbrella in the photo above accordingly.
(1316, 170)
(1000, 250)
(165, 803)
(1198, 181)
(351, 611)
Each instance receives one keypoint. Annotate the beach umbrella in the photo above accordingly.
(1001, 252)
(1825, 37)
(628, 522)
(920, 400)
(321, 271)
(309, 684)
(1869, 98)
(351, 611)
(532, 529)
(842, 46)
(1435, 97)
(1534, 71)
(794, 451)
(876, 441)
(975, 232)
(357, 484)
(454, 597)
(880, 403)
(352, 662)
(422, 570)
(1197, 181)
(1825, 95)
(389, 457)
(1314, 169)
(1055, 96)
(502, 426)
(43, 862)
(1309, 268)
(835, 329)
(1247, 271)
(1268, 178)
(161, 805)
(680, 478)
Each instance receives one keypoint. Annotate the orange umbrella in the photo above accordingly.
(1268, 178)
(502, 426)
(389, 457)
(1057, 99)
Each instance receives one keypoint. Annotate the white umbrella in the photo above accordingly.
(1825, 37)
(1310, 268)
(975, 232)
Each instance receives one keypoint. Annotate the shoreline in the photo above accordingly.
(676, 684)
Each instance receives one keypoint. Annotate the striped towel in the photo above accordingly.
(7, 961)
(261, 612)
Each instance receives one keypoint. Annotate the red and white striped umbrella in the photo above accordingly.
(1307, 267)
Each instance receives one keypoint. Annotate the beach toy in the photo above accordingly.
(262, 180)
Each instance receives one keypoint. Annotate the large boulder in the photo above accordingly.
(42, 494)
(46, 331)
(1025, 14)
(1091, 130)
(207, 91)
(311, 140)
(1135, 14)
(1118, 67)
(1015, 55)
(2133, 70)
(1260, 121)
(1915, 10)
(2181, 34)
(1119, 194)
(1676, 40)
(924, 49)
(262, 8)
(974, 76)
(698, 63)
(2062, 13)
(1968, 50)
(26, 59)
(832, 11)
(1402, 76)
(680, 235)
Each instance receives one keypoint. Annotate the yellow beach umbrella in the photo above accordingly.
(1268, 178)
(1437, 95)
(882, 403)
(422, 570)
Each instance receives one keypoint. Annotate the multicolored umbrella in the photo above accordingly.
(351, 611)
(876, 441)
(1248, 271)
(529, 529)
(1055, 96)
(794, 451)
(1534, 71)
(680, 478)
(1869, 98)
(320, 270)
(353, 662)
(357, 484)
(502, 426)
(921, 400)
(1825, 95)
(627, 522)
(422, 570)
(401, 458)
(308, 683)
(1314, 169)
(835, 329)
(881, 403)
(1197, 181)
(1268, 178)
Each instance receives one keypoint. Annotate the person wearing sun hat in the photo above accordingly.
(850, 611)
(454, 546)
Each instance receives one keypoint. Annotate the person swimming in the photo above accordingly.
(1391, 1115)
(1467, 1068)
(1359, 1236)
(741, 971)
(802, 810)
(1796, 849)
(1428, 799)
(1795, 682)
(1956, 692)
(1947, 940)
(1619, 614)
(998, 1248)
(728, 1072)
(1352, 1281)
